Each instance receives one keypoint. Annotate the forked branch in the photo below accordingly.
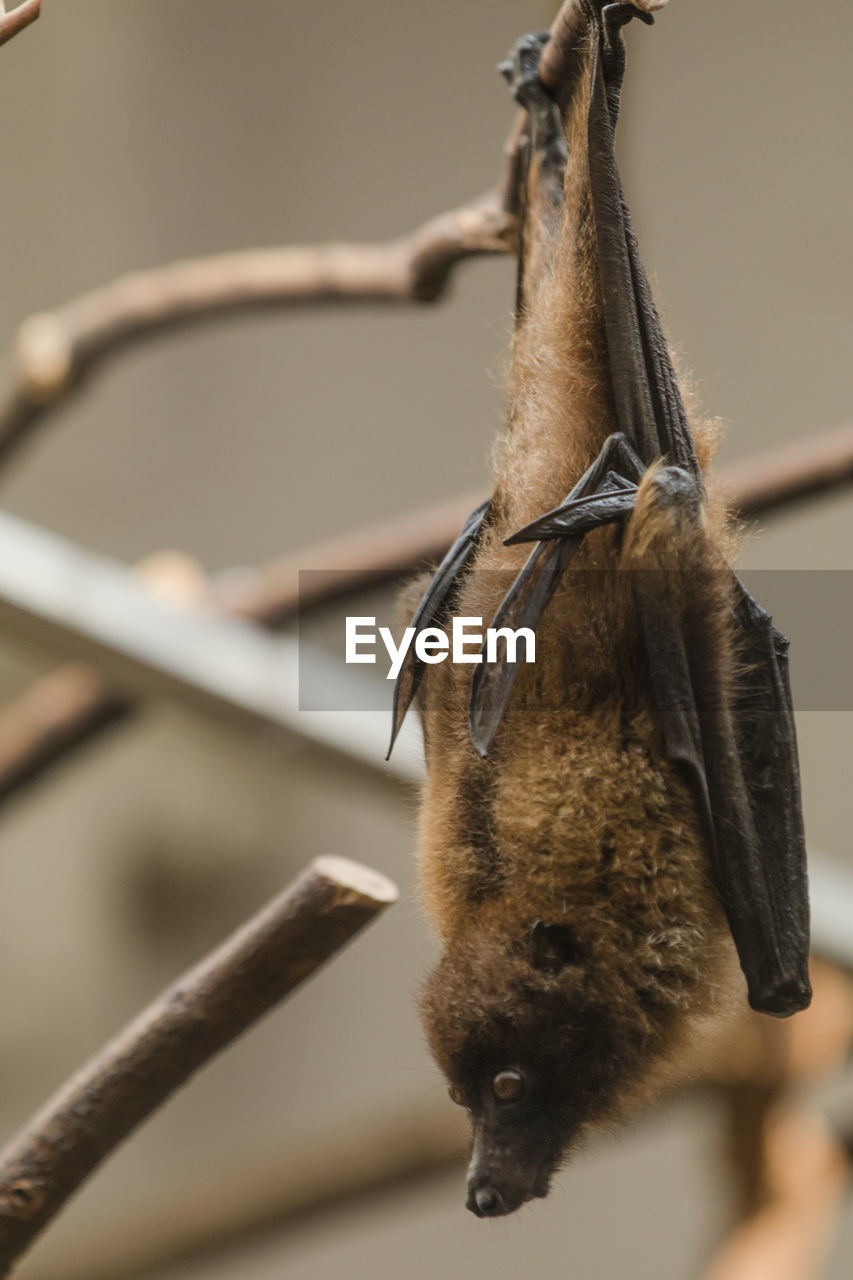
(57, 352)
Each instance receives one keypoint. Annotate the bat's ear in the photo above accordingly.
(554, 946)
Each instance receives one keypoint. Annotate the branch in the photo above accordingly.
(557, 70)
(191, 1022)
(567, 32)
(788, 1169)
(327, 1180)
(55, 353)
(384, 551)
(13, 23)
(803, 1174)
(83, 606)
(791, 474)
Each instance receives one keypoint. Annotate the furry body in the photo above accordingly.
(576, 830)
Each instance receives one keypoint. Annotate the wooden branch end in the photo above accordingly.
(208, 1008)
(13, 23)
(45, 357)
(367, 886)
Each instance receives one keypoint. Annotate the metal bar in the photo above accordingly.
(82, 605)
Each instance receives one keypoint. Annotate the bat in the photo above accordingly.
(611, 841)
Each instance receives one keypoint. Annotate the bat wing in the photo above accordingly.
(649, 408)
(737, 749)
(432, 610)
(602, 496)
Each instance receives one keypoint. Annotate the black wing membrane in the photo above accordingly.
(739, 752)
(432, 610)
(649, 407)
(601, 496)
(775, 957)
(739, 757)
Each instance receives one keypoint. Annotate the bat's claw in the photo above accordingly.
(520, 69)
(521, 72)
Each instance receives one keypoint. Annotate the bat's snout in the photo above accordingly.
(487, 1201)
(507, 1169)
(493, 1195)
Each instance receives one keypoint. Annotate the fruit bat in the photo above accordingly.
(604, 834)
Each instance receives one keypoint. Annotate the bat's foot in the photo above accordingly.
(521, 72)
(667, 528)
(520, 69)
(674, 489)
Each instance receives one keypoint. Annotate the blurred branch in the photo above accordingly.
(383, 551)
(192, 1021)
(71, 706)
(55, 716)
(12, 23)
(790, 474)
(326, 1180)
(788, 1169)
(801, 1175)
(55, 353)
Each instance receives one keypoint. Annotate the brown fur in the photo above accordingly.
(576, 818)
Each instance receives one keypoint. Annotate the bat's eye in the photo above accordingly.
(455, 1096)
(508, 1086)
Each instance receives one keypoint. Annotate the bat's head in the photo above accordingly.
(536, 1044)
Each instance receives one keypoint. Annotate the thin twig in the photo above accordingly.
(12, 23)
(192, 1021)
(56, 352)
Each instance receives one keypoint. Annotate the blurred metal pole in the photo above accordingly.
(78, 604)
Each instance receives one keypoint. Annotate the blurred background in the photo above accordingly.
(142, 131)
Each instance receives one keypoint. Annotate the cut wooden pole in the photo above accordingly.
(187, 1025)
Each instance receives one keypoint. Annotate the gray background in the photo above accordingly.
(138, 131)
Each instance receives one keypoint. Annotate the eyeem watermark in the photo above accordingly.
(466, 643)
(344, 661)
